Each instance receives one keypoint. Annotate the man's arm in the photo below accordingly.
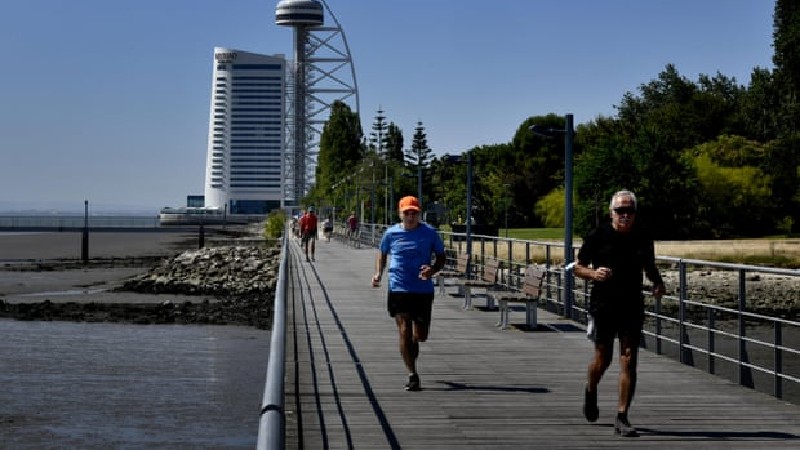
(587, 273)
(427, 271)
(380, 264)
(438, 263)
(652, 273)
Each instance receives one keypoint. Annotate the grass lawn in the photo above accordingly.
(777, 251)
(533, 234)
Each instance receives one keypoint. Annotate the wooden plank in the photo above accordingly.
(483, 387)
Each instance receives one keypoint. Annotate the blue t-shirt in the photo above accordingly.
(408, 250)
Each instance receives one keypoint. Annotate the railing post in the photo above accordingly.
(85, 235)
(527, 253)
(658, 325)
(712, 314)
(201, 239)
(682, 312)
(778, 385)
(742, 326)
(548, 290)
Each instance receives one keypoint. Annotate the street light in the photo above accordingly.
(469, 212)
(507, 204)
(569, 134)
(469, 208)
(419, 182)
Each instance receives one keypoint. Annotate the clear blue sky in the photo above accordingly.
(109, 100)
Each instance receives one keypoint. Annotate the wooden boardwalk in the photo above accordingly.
(485, 388)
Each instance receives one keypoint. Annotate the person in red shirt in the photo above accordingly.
(352, 224)
(308, 229)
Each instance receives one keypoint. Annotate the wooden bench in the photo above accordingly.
(531, 291)
(459, 272)
(487, 281)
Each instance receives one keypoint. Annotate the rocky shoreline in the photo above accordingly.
(235, 286)
(765, 294)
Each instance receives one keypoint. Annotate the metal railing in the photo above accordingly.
(698, 322)
(738, 321)
(271, 427)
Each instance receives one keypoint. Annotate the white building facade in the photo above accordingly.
(246, 152)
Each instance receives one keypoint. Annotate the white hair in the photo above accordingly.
(623, 193)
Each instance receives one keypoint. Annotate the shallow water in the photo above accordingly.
(81, 385)
(66, 292)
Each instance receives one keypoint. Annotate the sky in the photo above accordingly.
(108, 101)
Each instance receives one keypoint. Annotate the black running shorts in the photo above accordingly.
(417, 305)
(607, 327)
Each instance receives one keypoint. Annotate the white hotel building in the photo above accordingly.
(245, 161)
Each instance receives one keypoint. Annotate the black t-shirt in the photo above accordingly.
(628, 255)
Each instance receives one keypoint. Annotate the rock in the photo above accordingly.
(226, 271)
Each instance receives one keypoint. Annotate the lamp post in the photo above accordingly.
(469, 213)
(419, 182)
(569, 134)
(386, 203)
(85, 235)
(507, 204)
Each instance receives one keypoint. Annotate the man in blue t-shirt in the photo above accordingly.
(410, 300)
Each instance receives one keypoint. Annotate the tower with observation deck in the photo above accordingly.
(321, 73)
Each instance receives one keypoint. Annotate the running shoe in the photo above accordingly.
(413, 383)
(590, 410)
(624, 428)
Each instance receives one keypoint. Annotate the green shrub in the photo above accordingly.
(276, 223)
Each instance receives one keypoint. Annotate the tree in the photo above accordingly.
(394, 144)
(785, 157)
(736, 193)
(786, 41)
(551, 208)
(377, 138)
(758, 107)
(419, 155)
(340, 149)
(536, 164)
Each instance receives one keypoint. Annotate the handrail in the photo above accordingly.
(272, 421)
(705, 315)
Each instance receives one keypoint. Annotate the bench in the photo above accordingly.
(459, 272)
(487, 281)
(531, 291)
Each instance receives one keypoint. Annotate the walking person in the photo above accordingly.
(308, 229)
(410, 295)
(352, 226)
(614, 256)
(327, 228)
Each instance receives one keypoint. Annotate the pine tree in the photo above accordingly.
(379, 133)
(419, 155)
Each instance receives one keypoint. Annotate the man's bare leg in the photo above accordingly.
(628, 354)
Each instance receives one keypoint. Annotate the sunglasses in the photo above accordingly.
(410, 212)
(625, 210)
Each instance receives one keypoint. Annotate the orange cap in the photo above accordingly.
(409, 202)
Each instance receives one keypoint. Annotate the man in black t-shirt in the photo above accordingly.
(614, 256)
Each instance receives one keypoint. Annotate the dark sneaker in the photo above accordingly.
(307, 260)
(590, 410)
(624, 428)
(413, 383)
(313, 259)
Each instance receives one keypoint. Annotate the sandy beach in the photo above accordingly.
(83, 284)
(38, 246)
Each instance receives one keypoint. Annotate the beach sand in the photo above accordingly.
(37, 246)
(83, 285)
